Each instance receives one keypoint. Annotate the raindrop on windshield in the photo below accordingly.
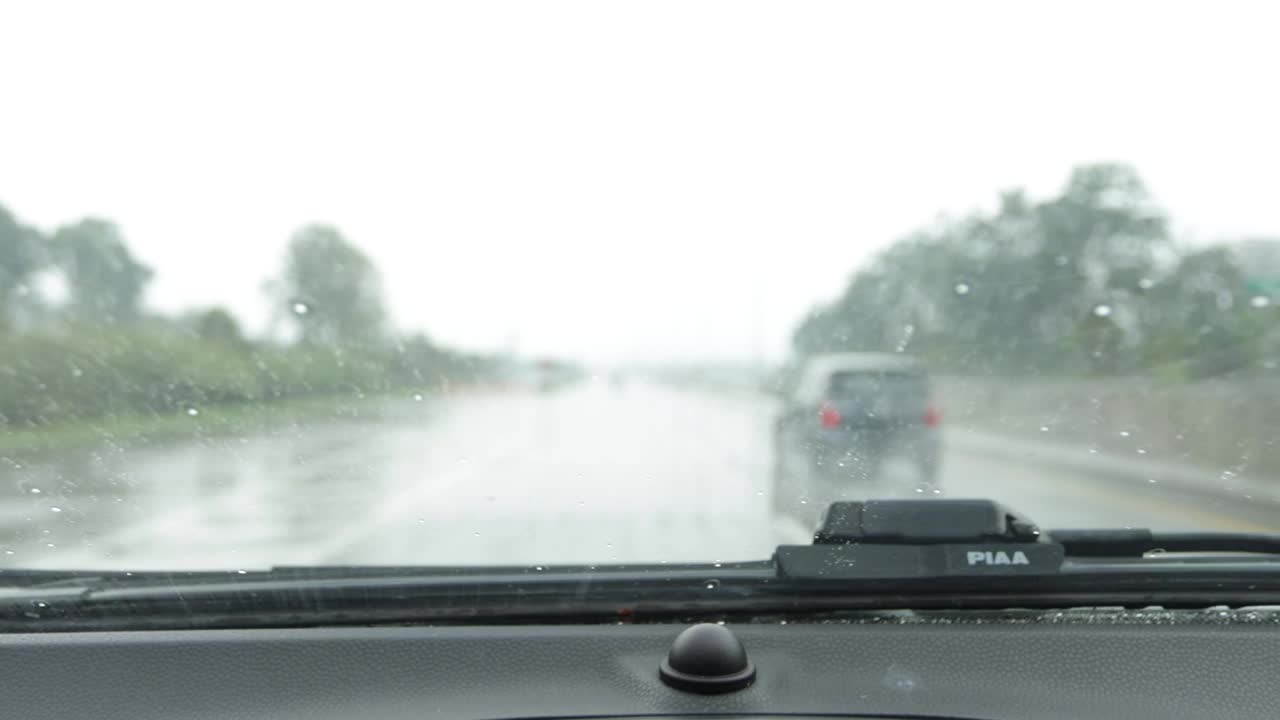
(1146, 283)
(1260, 301)
(962, 289)
(1102, 310)
(300, 308)
(1124, 433)
(417, 397)
(55, 508)
(35, 491)
(192, 411)
(1044, 428)
(711, 584)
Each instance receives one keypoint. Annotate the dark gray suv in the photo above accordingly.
(851, 420)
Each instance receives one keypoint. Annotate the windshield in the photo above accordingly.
(578, 283)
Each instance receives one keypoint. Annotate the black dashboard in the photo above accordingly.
(1126, 665)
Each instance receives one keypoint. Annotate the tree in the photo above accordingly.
(1202, 322)
(21, 253)
(331, 289)
(105, 282)
(219, 325)
(1013, 291)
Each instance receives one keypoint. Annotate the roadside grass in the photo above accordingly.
(213, 421)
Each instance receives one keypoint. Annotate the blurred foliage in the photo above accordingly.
(1086, 283)
(330, 289)
(104, 281)
(97, 354)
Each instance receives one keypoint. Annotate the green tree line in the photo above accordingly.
(1090, 282)
(97, 353)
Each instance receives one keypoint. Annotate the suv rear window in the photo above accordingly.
(885, 393)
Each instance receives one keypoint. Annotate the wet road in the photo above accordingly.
(589, 474)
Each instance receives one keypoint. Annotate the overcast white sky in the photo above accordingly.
(644, 180)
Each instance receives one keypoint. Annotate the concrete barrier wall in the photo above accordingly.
(1231, 426)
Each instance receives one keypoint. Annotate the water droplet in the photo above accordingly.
(1146, 283)
(1124, 433)
(476, 533)
(35, 491)
(242, 572)
(936, 491)
(55, 508)
(300, 308)
(422, 521)
(962, 289)
(538, 568)
(1260, 301)
(417, 397)
(919, 491)
(716, 564)
(1142, 451)
(192, 412)
(1044, 428)
(1102, 310)
(1061, 260)
(711, 584)
(8, 552)
(51, 546)
(804, 502)
(782, 622)
(759, 493)
(1152, 481)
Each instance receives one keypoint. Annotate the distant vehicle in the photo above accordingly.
(845, 415)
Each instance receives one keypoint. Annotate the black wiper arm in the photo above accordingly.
(1136, 542)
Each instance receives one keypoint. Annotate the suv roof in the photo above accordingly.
(845, 362)
(811, 380)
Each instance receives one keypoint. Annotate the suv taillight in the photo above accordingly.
(932, 417)
(829, 416)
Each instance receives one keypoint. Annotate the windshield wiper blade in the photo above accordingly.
(1137, 542)
(868, 555)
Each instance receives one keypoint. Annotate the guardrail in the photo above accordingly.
(1229, 427)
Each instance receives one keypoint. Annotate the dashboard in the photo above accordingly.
(1175, 667)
